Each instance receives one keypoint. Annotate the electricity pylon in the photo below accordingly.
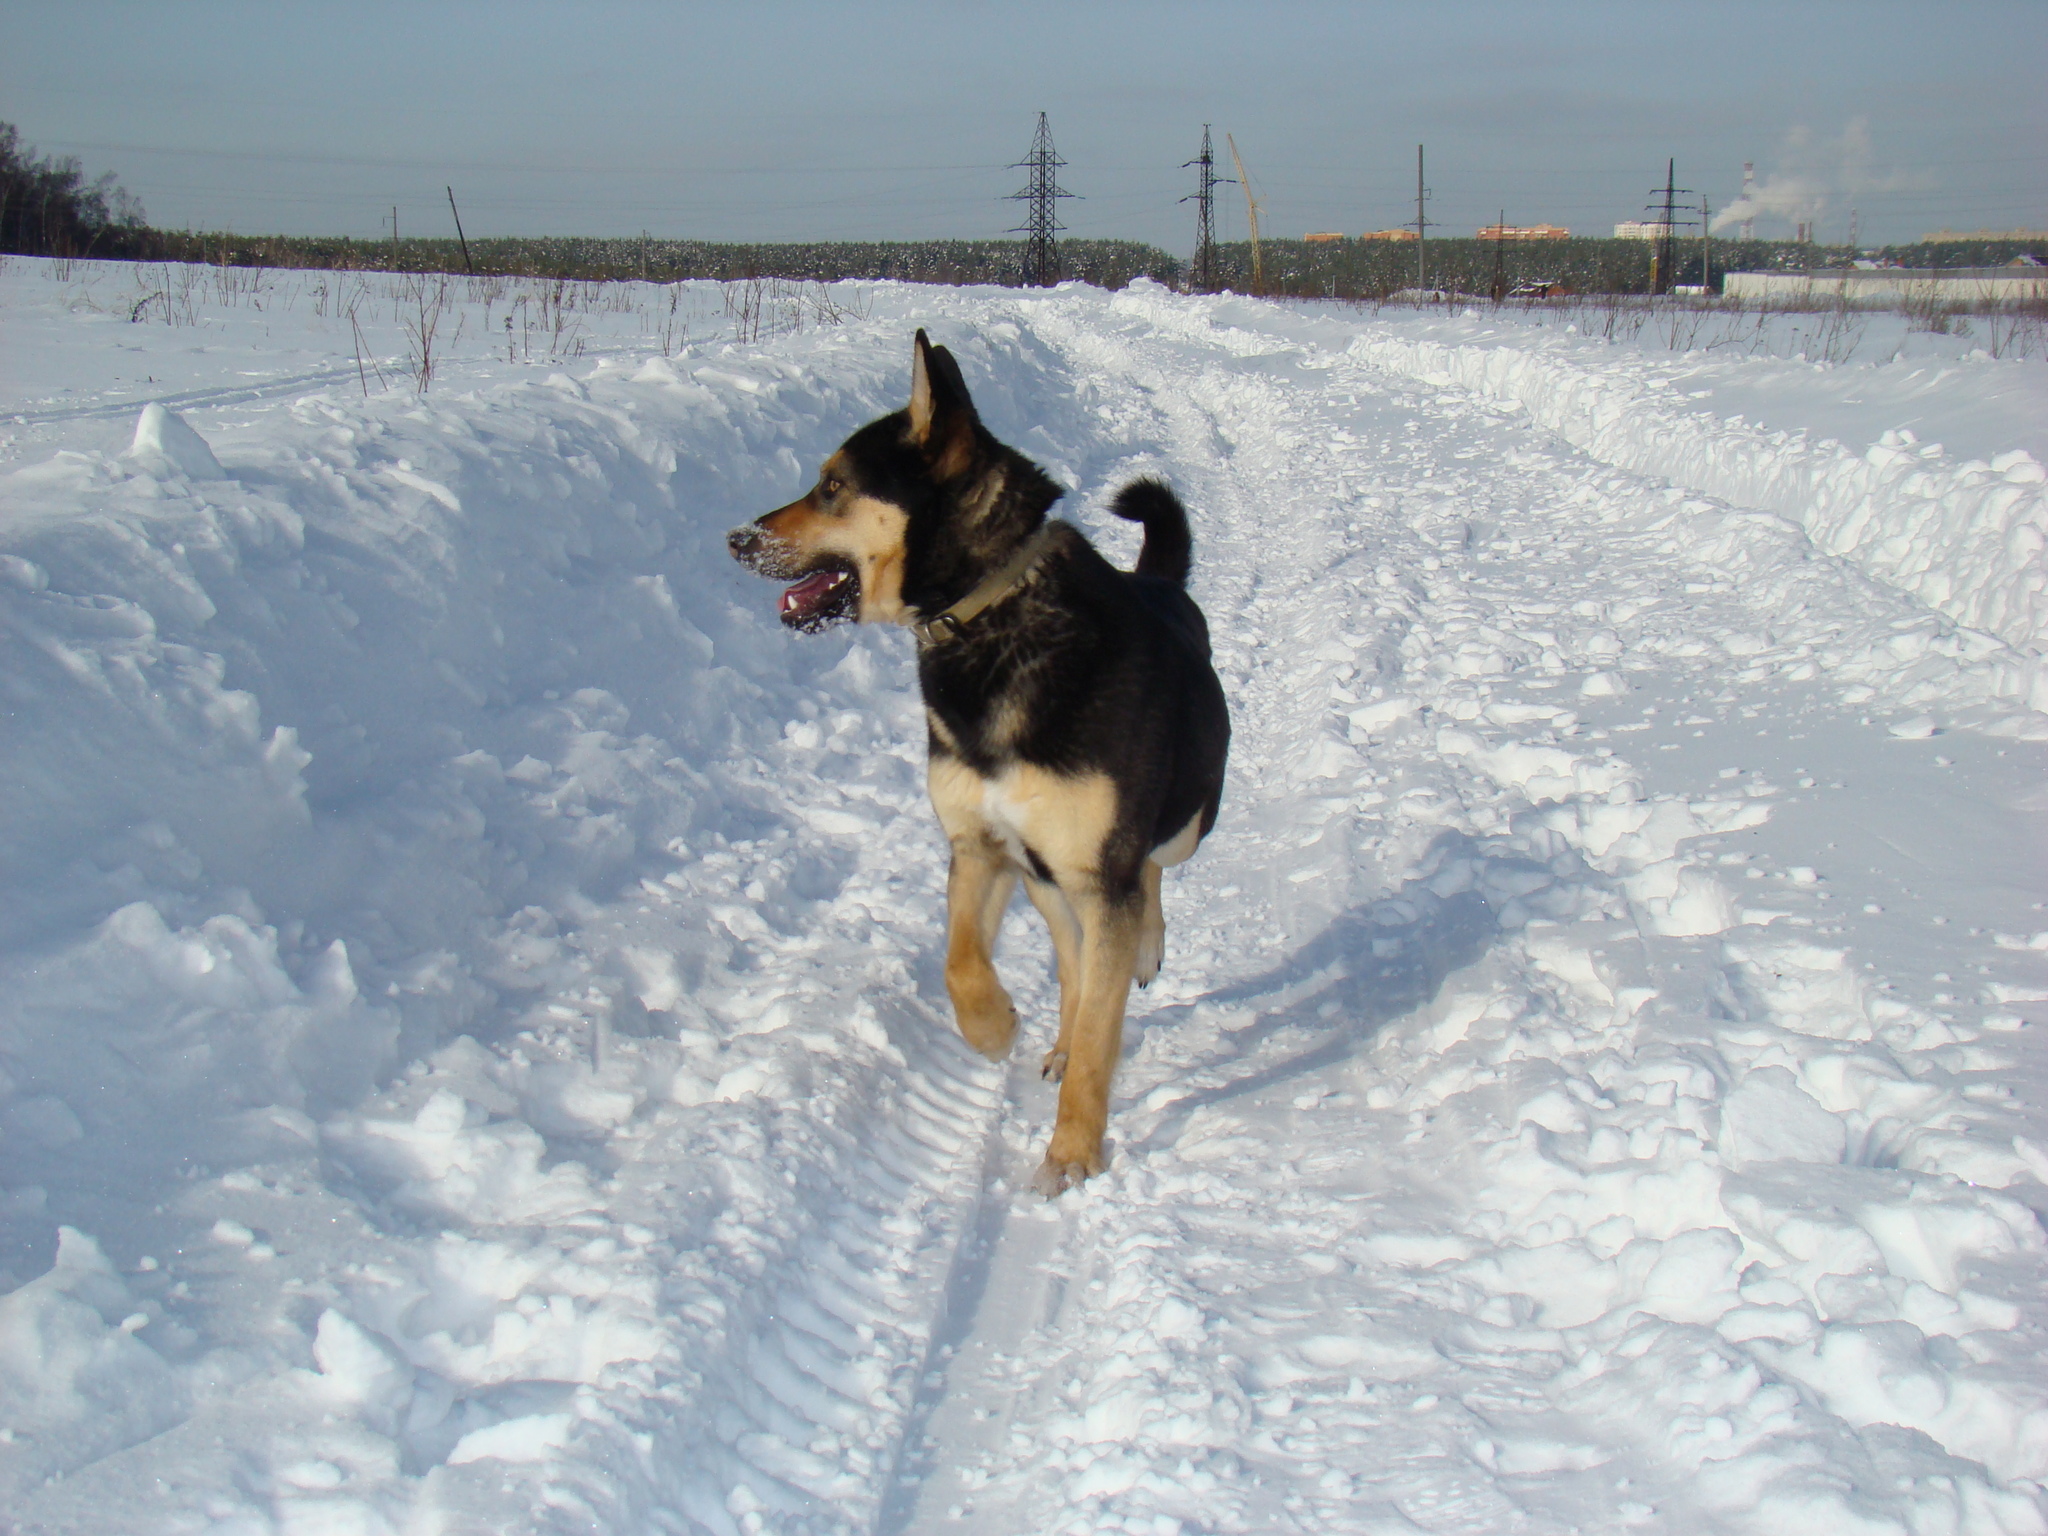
(1204, 199)
(1041, 225)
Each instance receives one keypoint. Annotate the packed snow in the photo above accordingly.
(473, 1049)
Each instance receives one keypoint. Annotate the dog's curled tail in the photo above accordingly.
(1169, 547)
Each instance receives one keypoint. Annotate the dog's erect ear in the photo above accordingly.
(942, 416)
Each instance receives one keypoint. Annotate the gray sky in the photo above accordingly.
(786, 119)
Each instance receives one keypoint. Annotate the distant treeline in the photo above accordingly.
(1348, 269)
(1105, 263)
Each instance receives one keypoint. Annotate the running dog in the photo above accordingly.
(1077, 729)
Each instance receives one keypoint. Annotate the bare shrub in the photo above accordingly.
(423, 301)
(2018, 329)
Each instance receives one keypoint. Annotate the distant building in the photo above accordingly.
(1892, 285)
(1957, 237)
(1320, 239)
(1389, 234)
(1525, 232)
(1640, 229)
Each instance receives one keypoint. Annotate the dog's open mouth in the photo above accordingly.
(821, 598)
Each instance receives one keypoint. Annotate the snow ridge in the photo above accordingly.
(1966, 539)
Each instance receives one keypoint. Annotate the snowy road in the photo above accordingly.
(472, 998)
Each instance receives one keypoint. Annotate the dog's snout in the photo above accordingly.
(744, 541)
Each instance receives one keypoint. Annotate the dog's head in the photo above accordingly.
(905, 517)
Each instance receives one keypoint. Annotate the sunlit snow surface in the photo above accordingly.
(473, 1053)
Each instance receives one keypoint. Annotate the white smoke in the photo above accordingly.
(1815, 175)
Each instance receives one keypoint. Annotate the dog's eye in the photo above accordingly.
(831, 485)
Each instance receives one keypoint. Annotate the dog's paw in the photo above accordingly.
(1055, 1066)
(1054, 1179)
(991, 1027)
(1151, 950)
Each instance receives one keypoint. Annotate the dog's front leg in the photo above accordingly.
(978, 889)
(1109, 954)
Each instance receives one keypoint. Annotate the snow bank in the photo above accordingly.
(1966, 539)
(443, 732)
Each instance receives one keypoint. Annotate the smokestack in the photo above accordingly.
(1748, 187)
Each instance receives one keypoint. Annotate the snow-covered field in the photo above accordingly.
(473, 1053)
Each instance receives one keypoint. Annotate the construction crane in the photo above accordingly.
(1251, 209)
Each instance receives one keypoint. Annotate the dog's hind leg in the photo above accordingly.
(1151, 928)
(978, 889)
(1152, 937)
(1109, 953)
(1066, 948)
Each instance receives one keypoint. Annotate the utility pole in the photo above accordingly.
(459, 235)
(1421, 224)
(1204, 199)
(1706, 247)
(394, 237)
(1660, 280)
(1041, 224)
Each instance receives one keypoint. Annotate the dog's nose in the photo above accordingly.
(743, 541)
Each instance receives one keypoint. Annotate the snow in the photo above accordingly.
(473, 1048)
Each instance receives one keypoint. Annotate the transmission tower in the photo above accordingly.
(1204, 199)
(1041, 224)
(1663, 265)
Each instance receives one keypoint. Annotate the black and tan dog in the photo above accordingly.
(1077, 728)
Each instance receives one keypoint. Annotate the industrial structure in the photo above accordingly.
(1251, 213)
(1892, 285)
(1040, 196)
(1204, 199)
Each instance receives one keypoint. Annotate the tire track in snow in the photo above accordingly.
(191, 399)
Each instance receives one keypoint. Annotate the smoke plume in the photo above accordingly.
(1815, 174)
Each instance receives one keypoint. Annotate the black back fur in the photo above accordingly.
(1084, 669)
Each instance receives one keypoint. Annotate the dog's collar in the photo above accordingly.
(947, 625)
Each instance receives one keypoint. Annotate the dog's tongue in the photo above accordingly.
(808, 596)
